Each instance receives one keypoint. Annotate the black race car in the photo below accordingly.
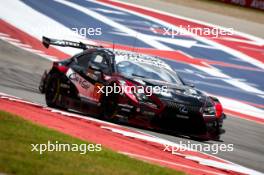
(128, 87)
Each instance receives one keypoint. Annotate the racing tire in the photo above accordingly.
(109, 107)
(52, 91)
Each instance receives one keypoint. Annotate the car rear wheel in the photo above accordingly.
(52, 91)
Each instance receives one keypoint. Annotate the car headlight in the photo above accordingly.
(164, 93)
(141, 96)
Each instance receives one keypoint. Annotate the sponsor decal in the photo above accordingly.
(78, 79)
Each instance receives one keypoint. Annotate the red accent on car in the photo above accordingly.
(129, 85)
(62, 69)
(219, 109)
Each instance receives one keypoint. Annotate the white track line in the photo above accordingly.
(4, 34)
(7, 38)
(169, 162)
(19, 44)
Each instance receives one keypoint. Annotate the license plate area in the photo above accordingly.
(182, 116)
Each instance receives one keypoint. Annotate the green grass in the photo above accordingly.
(16, 157)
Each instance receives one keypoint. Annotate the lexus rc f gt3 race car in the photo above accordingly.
(115, 85)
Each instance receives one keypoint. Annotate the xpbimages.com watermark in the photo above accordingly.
(121, 89)
(83, 31)
(201, 147)
(205, 31)
(65, 147)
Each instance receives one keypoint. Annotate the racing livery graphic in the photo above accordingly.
(130, 88)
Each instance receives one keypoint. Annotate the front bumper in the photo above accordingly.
(170, 118)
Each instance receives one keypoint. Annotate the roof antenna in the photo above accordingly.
(113, 46)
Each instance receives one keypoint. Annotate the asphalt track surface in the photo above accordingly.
(20, 73)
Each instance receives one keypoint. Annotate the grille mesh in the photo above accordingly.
(177, 106)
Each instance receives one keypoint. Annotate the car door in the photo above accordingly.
(83, 74)
(99, 62)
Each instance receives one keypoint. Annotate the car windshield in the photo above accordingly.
(147, 71)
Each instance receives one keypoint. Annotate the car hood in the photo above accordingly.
(177, 93)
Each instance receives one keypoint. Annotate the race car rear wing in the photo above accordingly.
(65, 43)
